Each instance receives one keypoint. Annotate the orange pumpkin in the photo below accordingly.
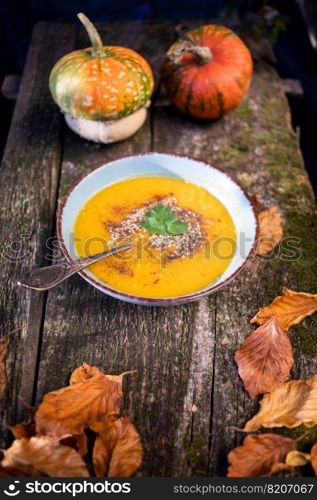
(208, 73)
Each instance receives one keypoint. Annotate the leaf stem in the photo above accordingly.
(237, 429)
(302, 436)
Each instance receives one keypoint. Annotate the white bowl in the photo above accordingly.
(214, 180)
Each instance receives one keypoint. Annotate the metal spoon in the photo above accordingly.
(45, 278)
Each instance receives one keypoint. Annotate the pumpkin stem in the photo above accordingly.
(203, 54)
(93, 34)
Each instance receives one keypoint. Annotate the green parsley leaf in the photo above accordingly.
(161, 220)
(153, 225)
(177, 227)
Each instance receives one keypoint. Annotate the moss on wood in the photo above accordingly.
(195, 453)
(307, 436)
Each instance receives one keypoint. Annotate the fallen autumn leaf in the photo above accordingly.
(293, 403)
(91, 396)
(43, 455)
(255, 201)
(25, 429)
(258, 454)
(118, 451)
(270, 230)
(297, 458)
(52, 440)
(313, 457)
(3, 351)
(265, 359)
(289, 309)
(4, 341)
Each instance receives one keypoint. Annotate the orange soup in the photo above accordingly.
(184, 238)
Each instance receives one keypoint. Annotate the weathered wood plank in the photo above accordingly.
(262, 151)
(187, 394)
(29, 177)
(256, 145)
(113, 335)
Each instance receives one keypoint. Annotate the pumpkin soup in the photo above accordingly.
(184, 238)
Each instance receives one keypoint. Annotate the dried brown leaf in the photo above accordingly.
(4, 341)
(293, 403)
(255, 201)
(313, 457)
(265, 358)
(83, 373)
(43, 456)
(297, 458)
(3, 351)
(90, 397)
(280, 467)
(258, 454)
(289, 309)
(270, 230)
(5, 473)
(90, 401)
(25, 429)
(118, 451)
(86, 372)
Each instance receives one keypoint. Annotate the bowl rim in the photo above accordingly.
(137, 299)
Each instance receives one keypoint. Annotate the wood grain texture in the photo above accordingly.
(186, 395)
(256, 145)
(29, 179)
(110, 334)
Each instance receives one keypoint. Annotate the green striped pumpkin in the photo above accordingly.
(101, 82)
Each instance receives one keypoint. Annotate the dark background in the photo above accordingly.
(290, 26)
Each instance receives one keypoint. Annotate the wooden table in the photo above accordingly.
(186, 394)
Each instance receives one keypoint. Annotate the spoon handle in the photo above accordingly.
(45, 278)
